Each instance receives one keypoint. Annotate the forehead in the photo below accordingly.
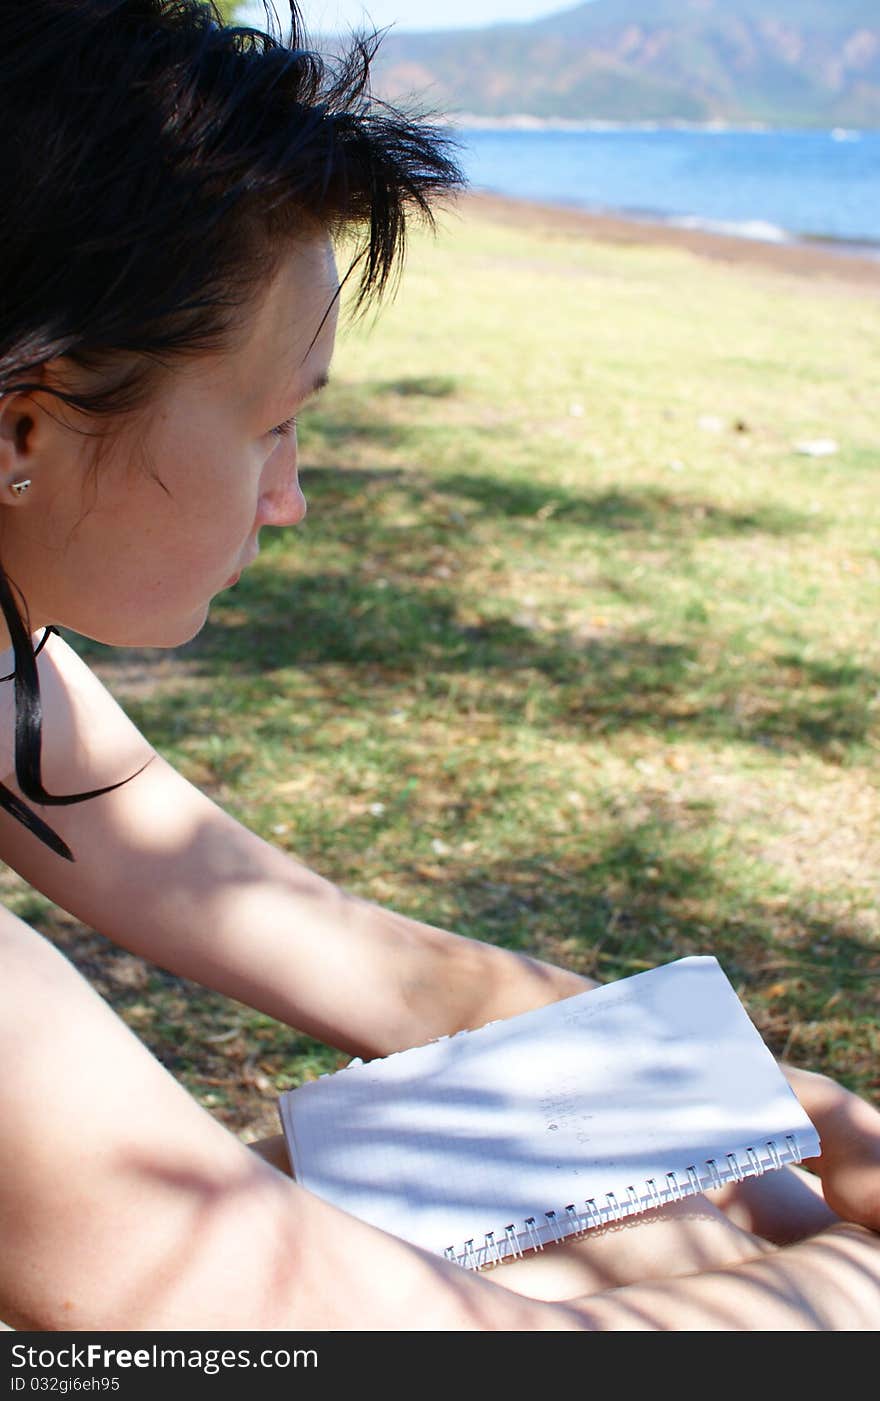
(285, 340)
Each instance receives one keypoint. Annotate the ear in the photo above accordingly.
(19, 419)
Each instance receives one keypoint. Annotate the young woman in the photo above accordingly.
(174, 191)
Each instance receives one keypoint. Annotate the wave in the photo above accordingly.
(762, 231)
(758, 229)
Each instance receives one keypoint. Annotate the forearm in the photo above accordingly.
(365, 979)
(358, 976)
(420, 982)
(165, 873)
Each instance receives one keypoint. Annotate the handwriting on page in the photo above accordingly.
(563, 1110)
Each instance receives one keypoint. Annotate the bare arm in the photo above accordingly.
(843, 1185)
(123, 1205)
(163, 871)
(849, 1130)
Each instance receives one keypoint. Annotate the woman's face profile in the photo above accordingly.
(132, 552)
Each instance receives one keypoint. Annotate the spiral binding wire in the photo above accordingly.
(576, 1219)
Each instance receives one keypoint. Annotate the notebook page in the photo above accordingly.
(586, 1100)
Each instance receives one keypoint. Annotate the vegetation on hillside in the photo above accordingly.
(780, 62)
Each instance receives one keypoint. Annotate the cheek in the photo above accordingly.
(213, 504)
(184, 510)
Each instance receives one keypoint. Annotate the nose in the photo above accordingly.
(283, 505)
(281, 500)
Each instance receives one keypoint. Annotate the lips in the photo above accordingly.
(234, 578)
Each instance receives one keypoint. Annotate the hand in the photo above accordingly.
(849, 1129)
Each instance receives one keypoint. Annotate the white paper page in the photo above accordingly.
(589, 1100)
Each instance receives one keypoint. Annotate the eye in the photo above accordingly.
(282, 430)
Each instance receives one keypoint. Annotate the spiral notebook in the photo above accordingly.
(492, 1143)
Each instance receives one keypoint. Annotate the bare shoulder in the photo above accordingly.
(88, 743)
(87, 737)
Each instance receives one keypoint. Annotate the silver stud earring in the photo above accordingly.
(19, 488)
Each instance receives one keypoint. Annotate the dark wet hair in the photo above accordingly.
(154, 163)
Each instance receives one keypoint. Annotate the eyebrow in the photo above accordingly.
(320, 382)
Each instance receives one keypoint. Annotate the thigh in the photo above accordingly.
(683, 1238)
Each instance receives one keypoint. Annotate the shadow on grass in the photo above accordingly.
(385, 636)
(420, 386)
(653, 891)
(409, 625)
(646, 509)
(638, 902)
(642, 895)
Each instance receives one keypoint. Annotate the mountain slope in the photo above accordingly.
(783, 62)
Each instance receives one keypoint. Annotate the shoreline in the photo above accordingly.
(798, 259)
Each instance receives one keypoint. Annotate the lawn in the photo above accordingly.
(576, 651)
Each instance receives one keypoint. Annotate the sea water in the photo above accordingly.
(779, 186)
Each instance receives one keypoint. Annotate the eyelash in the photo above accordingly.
(282, 430)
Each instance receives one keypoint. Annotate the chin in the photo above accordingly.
(148, 632)
(177, 635)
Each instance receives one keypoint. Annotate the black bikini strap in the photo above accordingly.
(47, 633)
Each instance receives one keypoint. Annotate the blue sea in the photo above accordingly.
(781, 186)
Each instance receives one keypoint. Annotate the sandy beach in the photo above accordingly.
(797, 259)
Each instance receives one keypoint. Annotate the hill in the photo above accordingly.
(778, 62)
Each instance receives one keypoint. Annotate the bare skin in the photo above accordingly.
(122, 1203)
(220, 1239)
(258, 923)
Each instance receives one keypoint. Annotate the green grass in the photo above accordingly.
(574, 652)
